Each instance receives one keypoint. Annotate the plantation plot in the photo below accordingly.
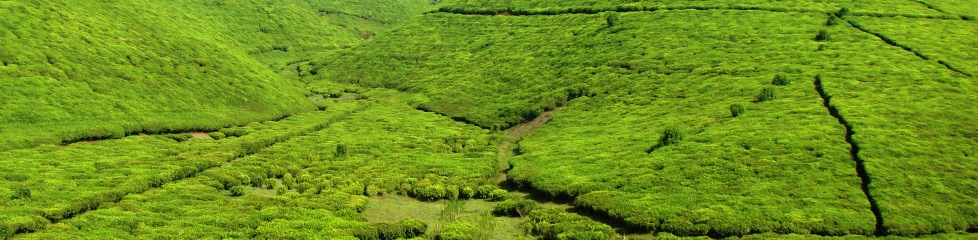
(665, 153)
(950, 42)
(967, 9)
(310, 186)
(53, 183)
(913, 121)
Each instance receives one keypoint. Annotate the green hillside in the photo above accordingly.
(451, 119)
(97, 69)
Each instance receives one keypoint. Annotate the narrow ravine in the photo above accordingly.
(854, 152)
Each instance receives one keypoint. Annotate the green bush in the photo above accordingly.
(670, 137)
(767, 94)
(498, 195)
(833, 20)
(842, 12)
(823, 35)
(968, 17)
(217, 135)
(239, 190)
(736, 110)
(340, 151)
(780, 80)
(557, 224)
(515, 207)
(612, 19)
(21, 193)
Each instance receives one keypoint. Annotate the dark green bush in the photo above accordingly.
(737, 110)
(612, 19)
(767, 94)
(823, 35)
(340, 151)
(21, 193)
(671, 136)
(515, 207)
(968, 17)
(780, 80)
(842, 12)
(833, 20)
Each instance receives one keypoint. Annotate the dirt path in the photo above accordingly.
(508, 148)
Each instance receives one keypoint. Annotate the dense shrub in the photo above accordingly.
(767, 94)
(842, 12)
(515, 207)
(670, 136)
(612, 19)
(556, 224)
(340, 151)
(968, 17)
(498, 195)
(239, 190)
(217, 135)
(780, 80)
(823, 35)
(833, 20)
(21, 193)
(736, 110)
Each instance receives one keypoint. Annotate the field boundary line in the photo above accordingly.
(854, 152)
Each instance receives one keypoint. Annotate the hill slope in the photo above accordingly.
(98, 69)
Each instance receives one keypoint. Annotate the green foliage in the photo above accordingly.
(671, 136)
(460, 230)
(554, 223)
(767, 94)
(968, 17)
(736, 110)
(842, 12)
(515, 207)
(239, 190)
(216, 135)
(780, 80)
(612, 19)
(833, 20)
(823, 35)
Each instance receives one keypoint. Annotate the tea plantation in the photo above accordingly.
(482, 119)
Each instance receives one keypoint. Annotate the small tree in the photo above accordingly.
(832, 21)
(842, 12)
(767, 94)
(340, 151)
(736, 110)
(671, 136)
(823, 36)
(780, 80)
(612, 19)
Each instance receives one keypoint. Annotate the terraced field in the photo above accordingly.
(500, 119)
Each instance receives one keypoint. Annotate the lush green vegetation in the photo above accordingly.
(71, 71)
(474, 119)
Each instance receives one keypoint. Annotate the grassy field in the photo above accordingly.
(458, 119)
